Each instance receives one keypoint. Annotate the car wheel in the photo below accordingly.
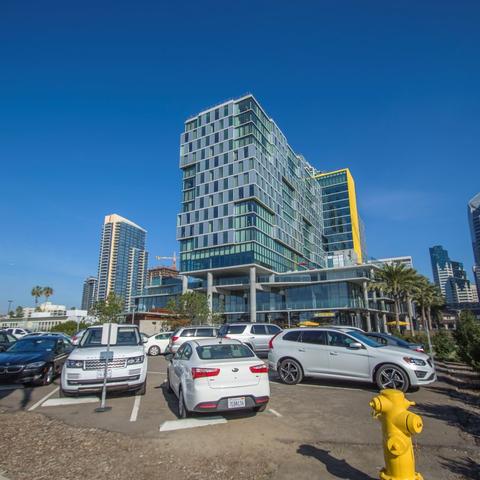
(290, 371)
(142, 389)
(261, 408)
(154, 350)
(48, 376)
(182, 408)
(391, 376)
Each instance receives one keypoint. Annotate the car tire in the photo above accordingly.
(392, 376)
(290, 371)
(261, 408)
(182, 408)
(154, 351)
(47, 378)
(142, 390)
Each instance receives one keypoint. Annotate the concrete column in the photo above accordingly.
(384, 315)
(253, 294)
(367, 306)
(210, 292)
(376, 316)
(184, 284)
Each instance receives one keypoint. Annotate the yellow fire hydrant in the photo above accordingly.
(398, 426)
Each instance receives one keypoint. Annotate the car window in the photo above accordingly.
(11, 338)
(292, 336)
(179, 353)
(378, 339)
(223, 330)
(337, 339)
(3, 337)
(317, 337)
(273, 329)
(222, 352)
(236, 329)
(33, 344)
(60, 346)
(187, 352)
(259, 330)
(188, 332)
(205, 332)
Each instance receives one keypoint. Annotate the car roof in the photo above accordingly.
(196, 326)
(215, 341)
(46, 337)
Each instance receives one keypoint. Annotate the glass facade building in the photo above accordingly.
(89, 293)
(247, 197)
(474, 222)
(123, 260)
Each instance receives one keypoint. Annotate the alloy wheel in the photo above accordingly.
(392, 378)
(154, 351)
(290, 372)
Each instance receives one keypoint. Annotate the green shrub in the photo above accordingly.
(444, 345)
(69, 328)
(467, 337)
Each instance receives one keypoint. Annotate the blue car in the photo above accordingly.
(386, 339)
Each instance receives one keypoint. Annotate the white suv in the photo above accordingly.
(183, 334)
(127, 365)
(257, 336)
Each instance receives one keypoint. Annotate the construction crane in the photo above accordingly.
(173, 258)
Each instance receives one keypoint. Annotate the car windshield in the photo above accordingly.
(364, 339)
(127, 336)
(224, 352)
(33, 344)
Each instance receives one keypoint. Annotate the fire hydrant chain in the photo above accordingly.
(398, 427)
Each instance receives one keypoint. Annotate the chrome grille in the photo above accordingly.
(98, 364)
(11, 369)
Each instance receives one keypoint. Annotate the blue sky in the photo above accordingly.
(93, 96)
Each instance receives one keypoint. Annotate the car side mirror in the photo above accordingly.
(168, 357)
(145, 340)
(355, 346)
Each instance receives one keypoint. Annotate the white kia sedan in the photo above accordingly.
(217, 375)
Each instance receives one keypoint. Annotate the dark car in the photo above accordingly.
(386, 339)
(6, 340)
(34, 360)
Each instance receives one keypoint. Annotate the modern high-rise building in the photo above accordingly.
(123, 260)
(342, 227)
(89, 293)
(473, 211)
(450, 276)
(406, 260)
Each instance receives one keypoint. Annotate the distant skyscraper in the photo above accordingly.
(89, 293)
(474, 221)
(342, 227)
(450, 276)
(123, 260)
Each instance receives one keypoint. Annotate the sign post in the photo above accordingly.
(109, 336)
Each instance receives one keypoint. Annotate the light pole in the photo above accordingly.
(288, 313)
(9, 307)
(133, 314)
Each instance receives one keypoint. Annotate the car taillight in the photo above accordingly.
(270, 343)
(204, 372)
(259, 368)
(174, 339)
(419, 349)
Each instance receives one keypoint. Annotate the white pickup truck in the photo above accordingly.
(84, 370)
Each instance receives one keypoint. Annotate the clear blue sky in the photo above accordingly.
(93, 96)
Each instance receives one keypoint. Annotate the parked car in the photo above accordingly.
(386, 339)
(18, 332)
(215, 375)
(330, 353)
(77, 337)
(254, 335)
(6, 340)
(158, 343)
(183, 334)
(53, 334)
(35, 360)
(84, 370)
(346, 328)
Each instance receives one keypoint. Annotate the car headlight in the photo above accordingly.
(415, 361)
(74, 363)
(31, 366)
(135, 360)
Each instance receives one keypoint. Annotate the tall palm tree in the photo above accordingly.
(36, 292)
(398, 281)
(47, 292)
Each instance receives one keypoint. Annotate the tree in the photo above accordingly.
(444, 345)
(37, 292)
(398, 281)
(467, 337)
(108, 310)
(427, 295)
(47, 292)
(190, 308)
(19, 312)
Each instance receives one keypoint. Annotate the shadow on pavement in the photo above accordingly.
(466, 467)
(338, 468)
(26, 393)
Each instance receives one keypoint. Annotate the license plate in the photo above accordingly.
(101, 373)
(238, 402)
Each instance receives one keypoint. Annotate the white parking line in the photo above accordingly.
(271, 410)
(58, 402)
(170, 425)
(46, 397)
(136, 408)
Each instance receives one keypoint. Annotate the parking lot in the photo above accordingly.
(311, 430)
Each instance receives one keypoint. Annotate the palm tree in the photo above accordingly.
(37, 292)
(398, 281)
(47, 292)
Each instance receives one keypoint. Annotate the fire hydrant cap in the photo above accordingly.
(414, 423)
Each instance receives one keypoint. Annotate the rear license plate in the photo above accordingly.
(238, 402)
(101, 373)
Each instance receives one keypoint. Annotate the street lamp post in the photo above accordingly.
(288, 313)
(9, 307)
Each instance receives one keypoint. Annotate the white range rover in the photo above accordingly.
(84, 370)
